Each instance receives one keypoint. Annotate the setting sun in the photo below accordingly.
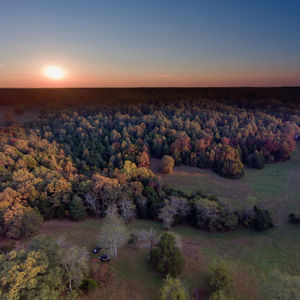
(54, 72)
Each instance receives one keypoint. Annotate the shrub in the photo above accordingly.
(218, 295)
(133, 239)
(293, 219)
(212, 215)
(220, 277)
(88, 285)
(173, 290)
(166, 257)
(261, 219)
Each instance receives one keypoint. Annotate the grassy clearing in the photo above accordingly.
(276, 187)
(252, 255)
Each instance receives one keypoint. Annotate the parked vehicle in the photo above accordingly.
(104, 258)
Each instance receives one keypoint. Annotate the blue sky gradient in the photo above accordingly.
(150, 43)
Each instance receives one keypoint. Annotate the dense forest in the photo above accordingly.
(82, 160)
(74, 161)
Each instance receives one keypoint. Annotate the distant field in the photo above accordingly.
(276, 187)
(252, 255)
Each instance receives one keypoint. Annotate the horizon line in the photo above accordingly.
(153, 87)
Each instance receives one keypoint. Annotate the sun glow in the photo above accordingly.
(54, 72)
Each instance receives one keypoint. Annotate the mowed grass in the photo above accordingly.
(276, 187)
(251, 255)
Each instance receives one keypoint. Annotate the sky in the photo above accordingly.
(150, 43)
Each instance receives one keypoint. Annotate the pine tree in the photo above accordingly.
(166, 257)
(77, 209)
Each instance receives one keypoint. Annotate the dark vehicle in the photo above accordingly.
(104, 258)
(97, 249)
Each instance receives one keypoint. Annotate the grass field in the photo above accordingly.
(276, 187)
(252, 255)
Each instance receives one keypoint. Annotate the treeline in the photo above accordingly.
(199, 133)
(38, 181)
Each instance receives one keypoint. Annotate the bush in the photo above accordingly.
(220, 277)
(211, 214)
(88, 285)
(293, 219)
(218, 295)
(133, 239)
(261, 220)
(166, 257)
(173, 290)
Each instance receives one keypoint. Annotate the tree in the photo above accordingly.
(127, 209)
(167, 164)
(88, 285)
(261, 220)
(147, 237)
(113, 233)
(77, 209)
(173, 289)
(24, 222)
(166, 257)
(49, 285)
(19, 273)
(143, 160)
(166, 214)
(74, 261)
(220, 277)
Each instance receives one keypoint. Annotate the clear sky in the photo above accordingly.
(150, 43)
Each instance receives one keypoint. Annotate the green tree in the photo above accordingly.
(261, 220)
(220, 276)
(24, 222)
(77, 209)
(173, 289)
(166, 257)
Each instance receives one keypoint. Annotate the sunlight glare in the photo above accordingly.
(54, 72)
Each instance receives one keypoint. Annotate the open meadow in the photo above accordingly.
(276, 187)
(251, 255)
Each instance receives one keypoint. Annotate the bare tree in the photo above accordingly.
(113, 233)
(74, 261)
(127, 209)
(147, 238)
(92, 203)
(166, 214)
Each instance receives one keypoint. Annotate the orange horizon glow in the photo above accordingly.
(84, 75)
